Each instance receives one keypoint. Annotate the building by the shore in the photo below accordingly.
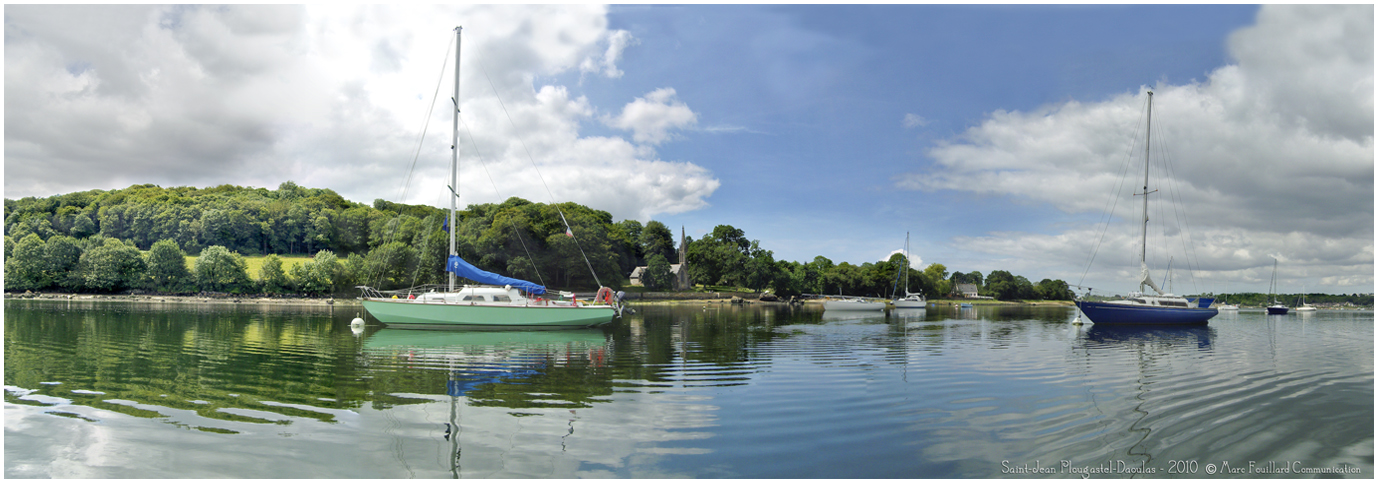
(968, 291)
(680, 281)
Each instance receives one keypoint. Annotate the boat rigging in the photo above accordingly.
(1160, 308)
(499, 300)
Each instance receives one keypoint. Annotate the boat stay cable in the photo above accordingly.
(1112, 203)
(416, 155)
(1183, 220)
(1167, 175)
(515, 229)
(568, 229)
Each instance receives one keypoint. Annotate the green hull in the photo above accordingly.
(405, 312)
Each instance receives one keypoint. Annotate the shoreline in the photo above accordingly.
(665, 298)
(180, 299)
(656, 298)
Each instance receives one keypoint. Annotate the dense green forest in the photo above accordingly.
(136, 238)
(110, 241)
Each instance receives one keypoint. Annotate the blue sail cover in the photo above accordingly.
(462, 268)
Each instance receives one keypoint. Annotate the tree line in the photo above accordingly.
(1294, 299)
(725, 257)
(138, 238)
(123, 239)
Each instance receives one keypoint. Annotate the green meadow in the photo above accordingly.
(256, 263)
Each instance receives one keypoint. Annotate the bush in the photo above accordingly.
(317, 276)
(271, 278)
(217, 269)
(166, 267)
(112, 266)
(24, 268)
(63, 254)
(657, 274)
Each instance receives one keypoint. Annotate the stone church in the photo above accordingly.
(680, 281)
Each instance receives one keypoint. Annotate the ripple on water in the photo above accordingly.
(721, 393)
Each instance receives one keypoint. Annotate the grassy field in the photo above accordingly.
(256, 263)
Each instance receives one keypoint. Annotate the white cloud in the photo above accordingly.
(652, 118)
(1311, 66)
(914, 120)
(915, 262)
(617, 42)
(325, 96)
(1272, 154)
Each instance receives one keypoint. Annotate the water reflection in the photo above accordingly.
(191, 367)
(910, 314)
(1099, 336)
(713, 390)
(513, 369)
(875, 316)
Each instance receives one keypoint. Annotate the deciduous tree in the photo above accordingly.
(112, 266)
(656, 238)
(24, 269)
(271, 278)
(218, 269)
(166, 267)
(657, 273)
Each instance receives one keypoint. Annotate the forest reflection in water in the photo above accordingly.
(704, 390)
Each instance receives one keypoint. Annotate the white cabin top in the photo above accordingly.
(1167, 299)
(476, 294)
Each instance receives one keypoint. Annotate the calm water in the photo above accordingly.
(152, 391)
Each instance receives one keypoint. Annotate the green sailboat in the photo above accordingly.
(496, 301)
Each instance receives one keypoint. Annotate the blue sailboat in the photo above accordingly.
(1276, 308)
(1141, 308)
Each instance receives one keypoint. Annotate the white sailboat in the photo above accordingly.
(852, 303)
(498, 301)
(1223, 306)
(910, 299)
(1302, 305)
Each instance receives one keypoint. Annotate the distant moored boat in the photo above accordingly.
(1276, 308)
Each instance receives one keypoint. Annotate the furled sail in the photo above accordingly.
(1146, 280)
(463, 269)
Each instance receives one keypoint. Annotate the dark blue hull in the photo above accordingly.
(1120, 314)
(1277, 310)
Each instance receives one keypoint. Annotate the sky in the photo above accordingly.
(995, 137)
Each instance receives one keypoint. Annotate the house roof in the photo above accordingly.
(639, 272)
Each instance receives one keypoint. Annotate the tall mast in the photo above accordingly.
(906, 265)
(454, 158)
(1272, 288)
(1147, 148)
